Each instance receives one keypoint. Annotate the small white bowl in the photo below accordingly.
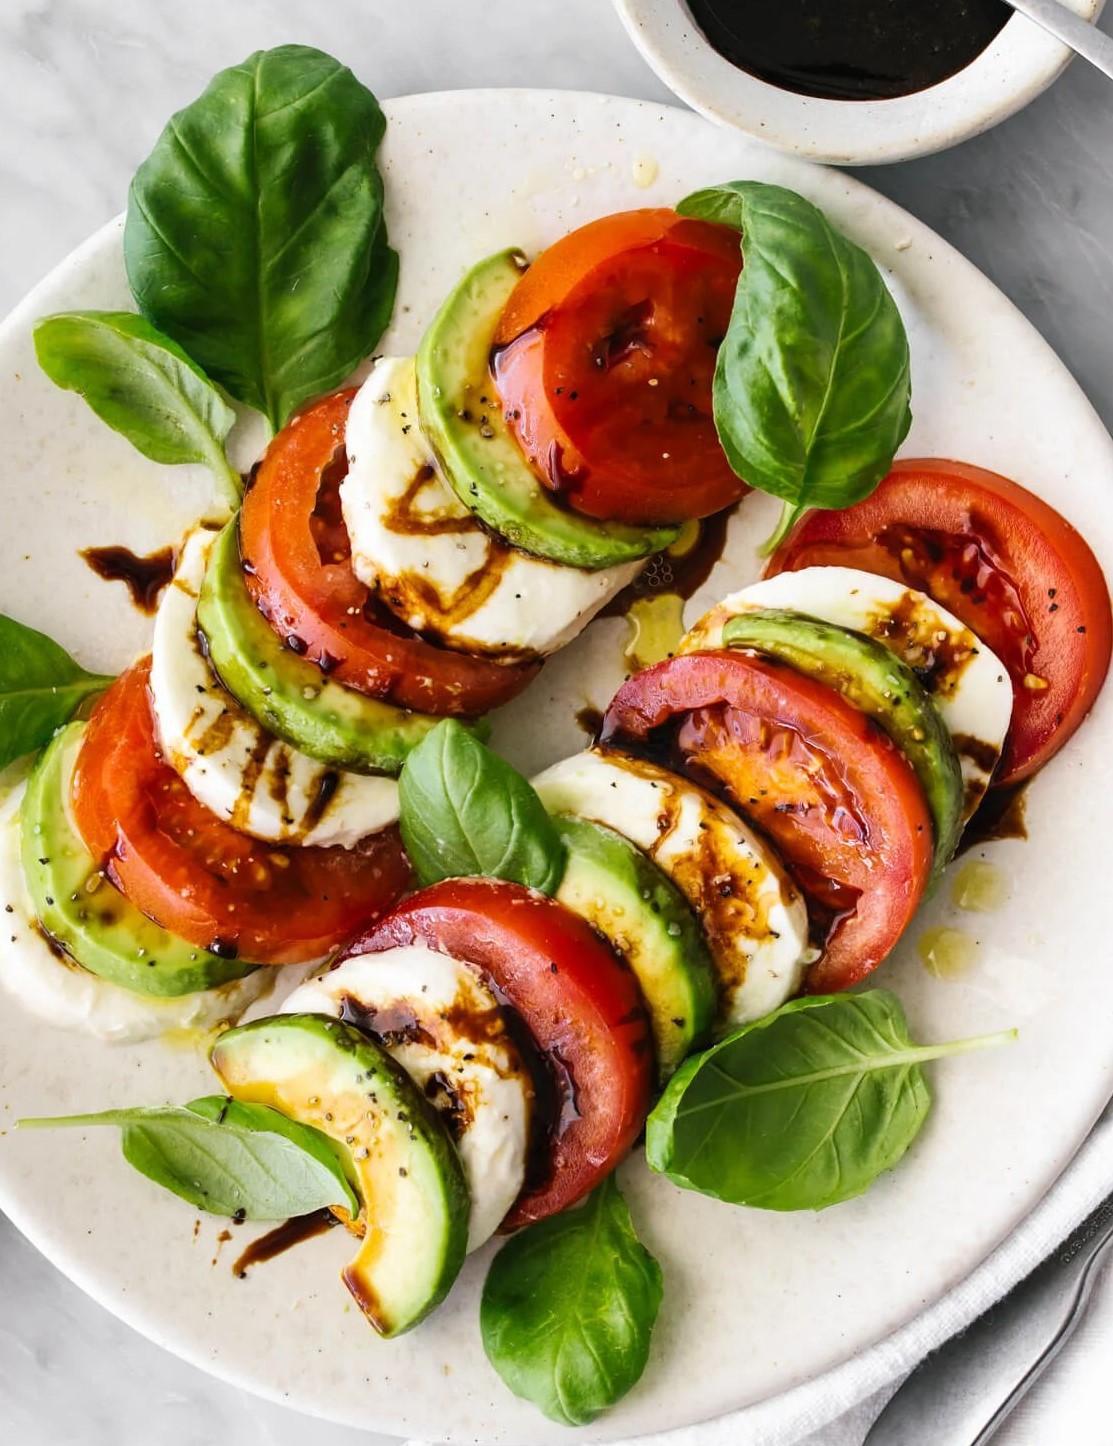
(1020, 63)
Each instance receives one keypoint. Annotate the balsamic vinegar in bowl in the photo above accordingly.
(850, 49)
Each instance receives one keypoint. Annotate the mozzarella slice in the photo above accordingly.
(230, 762)
(444, 1027)
(54, 988)
(752, 916)
(969, 683)
(428, 558)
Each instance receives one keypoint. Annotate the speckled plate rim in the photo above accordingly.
(576, 155)
(1018, 66)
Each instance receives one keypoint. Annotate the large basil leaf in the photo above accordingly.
(40, 688)
(227, 1157)
(812, 384)
(255, 233)
(801, 1109)
(569, 1308)
(465, 811)
(143, 385)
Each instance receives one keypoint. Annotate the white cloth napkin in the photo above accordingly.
(836, 1409)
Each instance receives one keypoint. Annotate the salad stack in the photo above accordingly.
(486, 988)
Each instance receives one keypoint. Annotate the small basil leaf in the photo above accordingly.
(226, 1157)
(40, 688)
(812, 383)
(255, 233)
(143, 385)
(237, 1113)
(801, 1109)
(465, 811)
(569, 1306)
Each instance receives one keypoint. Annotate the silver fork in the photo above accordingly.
(962, 1393)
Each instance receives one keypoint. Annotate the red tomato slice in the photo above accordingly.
(604, 359)
(836, 796)
(198, 876)
(297, 559)
(580, 1003)
(1002, 560)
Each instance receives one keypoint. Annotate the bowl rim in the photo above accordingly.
(1017, 66)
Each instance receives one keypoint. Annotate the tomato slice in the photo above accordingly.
(198, 876)
(580, 1003)
(297, 560)
(1016, 572)
(604, 359)
(833, 792)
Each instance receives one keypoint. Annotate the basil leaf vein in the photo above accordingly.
(801, 1109)
(464, 811)
(40, 688)
(255, 234)
(569, 1306)
(228, 1157)
(812, 382)
(143, 385)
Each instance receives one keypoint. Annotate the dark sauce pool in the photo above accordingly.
(1000, 815)
(851, 49)
(145, 577)
(282, 1238)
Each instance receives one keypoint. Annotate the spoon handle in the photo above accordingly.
(1082, 37)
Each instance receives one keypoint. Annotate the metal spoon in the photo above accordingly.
(1082, 37)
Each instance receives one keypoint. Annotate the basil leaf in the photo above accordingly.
(143, 385)
(465, 811)
(569, 1306)
(227, 1157)
(238, 1114)
(255, 233)
(40, 688)
(801, 1109)
(812, 385)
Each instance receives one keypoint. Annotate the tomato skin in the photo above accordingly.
(198, 876)
(604, 359)
(289, 518)
(838, 799)
(580, 1002)
(1012, 569)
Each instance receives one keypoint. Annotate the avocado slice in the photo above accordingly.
(83, 912)
(463, 423)
(329, 1075)
(878, 683)
(290, 697)
(625, 897)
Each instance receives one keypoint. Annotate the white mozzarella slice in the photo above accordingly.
(232, 764)
(753, 917)
(444, 1027)
(55, 989)
(429, 560)
(969, 683)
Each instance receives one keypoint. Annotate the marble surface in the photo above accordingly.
(84, 89)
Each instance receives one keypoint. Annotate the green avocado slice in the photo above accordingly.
(463, 423)
(329, 1075)
(288, 696)
(877, 682)
(81, 910)
(625, 897)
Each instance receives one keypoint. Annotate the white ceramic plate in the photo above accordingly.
(755, 1302)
